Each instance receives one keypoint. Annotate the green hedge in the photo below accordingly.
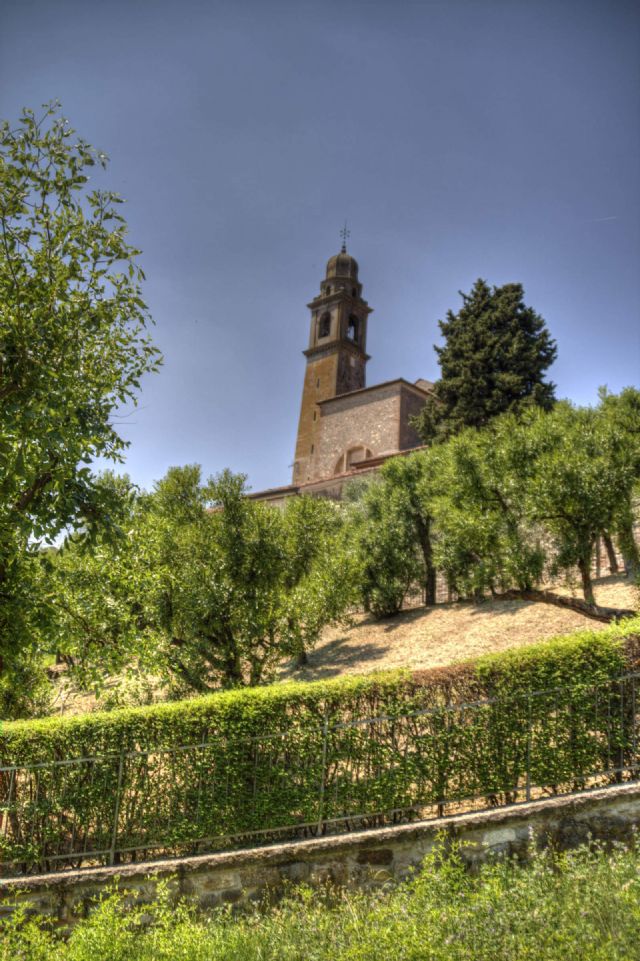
(183, 776)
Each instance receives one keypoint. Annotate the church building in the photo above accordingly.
(346, 429)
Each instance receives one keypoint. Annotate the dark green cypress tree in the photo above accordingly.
(493, 360)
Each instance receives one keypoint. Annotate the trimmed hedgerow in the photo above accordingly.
(184, 776)
(584, 657)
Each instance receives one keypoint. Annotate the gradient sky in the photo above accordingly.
(459, 139)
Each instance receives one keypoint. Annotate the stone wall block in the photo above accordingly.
(222, 880)
(376, 856)
(364, 859)
(296, 872)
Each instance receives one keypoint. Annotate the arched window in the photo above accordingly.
(352, 329)
(356, 454)
(324, 325)
(352, 456)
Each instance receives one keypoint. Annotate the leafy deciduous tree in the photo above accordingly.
(73, 347)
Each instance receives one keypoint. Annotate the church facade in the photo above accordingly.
(345, 428)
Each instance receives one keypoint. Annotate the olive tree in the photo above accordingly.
(391, 526)
(527, 497)
(209, 588)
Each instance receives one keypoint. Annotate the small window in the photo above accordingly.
(315, 414)
(352, 329)
(318, 382)
(324, 325)
(312, 448)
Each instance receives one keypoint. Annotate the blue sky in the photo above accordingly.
(459, 139)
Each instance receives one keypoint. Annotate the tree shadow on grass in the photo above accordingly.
(331, 659)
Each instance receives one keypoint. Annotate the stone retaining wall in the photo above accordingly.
(362, 859)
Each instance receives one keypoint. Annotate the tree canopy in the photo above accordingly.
(527, 498)
(510, 510)
(391, 526)
(209, 589)
(493, 360)
(73, 348)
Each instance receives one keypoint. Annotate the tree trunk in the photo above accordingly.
(629, 548)
(430, 587)
(584, 566)
(302, 659)
(424, 536)
(611, 553)
(232, 671)
(594, 611)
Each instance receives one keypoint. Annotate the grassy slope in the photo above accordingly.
(420, 638)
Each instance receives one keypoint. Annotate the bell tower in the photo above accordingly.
(336, 355)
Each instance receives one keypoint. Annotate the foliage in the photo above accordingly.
(585, 468)
(583, 904)
(622, 413)
(484, 539)
(529, 495)
(73, 348)
(391, 525)
(385, 542)
(94, 588)
(253, 760)
(493, 360)
(210, 586)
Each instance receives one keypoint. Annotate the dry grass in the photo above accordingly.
(415, 639)
(422, 638)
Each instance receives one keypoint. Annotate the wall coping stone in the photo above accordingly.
(295, 851)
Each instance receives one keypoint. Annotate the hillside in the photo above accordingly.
(416, 639)
(423, 638)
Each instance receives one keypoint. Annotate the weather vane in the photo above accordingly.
(344, 233)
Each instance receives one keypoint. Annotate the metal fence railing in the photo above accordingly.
(224, 792)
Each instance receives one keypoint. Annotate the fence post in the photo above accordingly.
(323, 771)
(116, 812)
(528, 784)
(633, 724)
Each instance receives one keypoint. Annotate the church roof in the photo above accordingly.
(326, 483)
(421, 386)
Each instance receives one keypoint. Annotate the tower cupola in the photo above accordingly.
(342, 265)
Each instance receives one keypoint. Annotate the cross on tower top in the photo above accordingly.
(344, 233)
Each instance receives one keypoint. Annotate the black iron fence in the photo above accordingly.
(227, 792)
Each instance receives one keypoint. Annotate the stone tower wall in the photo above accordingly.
(336, 355)
(319, 381)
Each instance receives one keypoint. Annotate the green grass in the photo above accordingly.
(583, 906)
